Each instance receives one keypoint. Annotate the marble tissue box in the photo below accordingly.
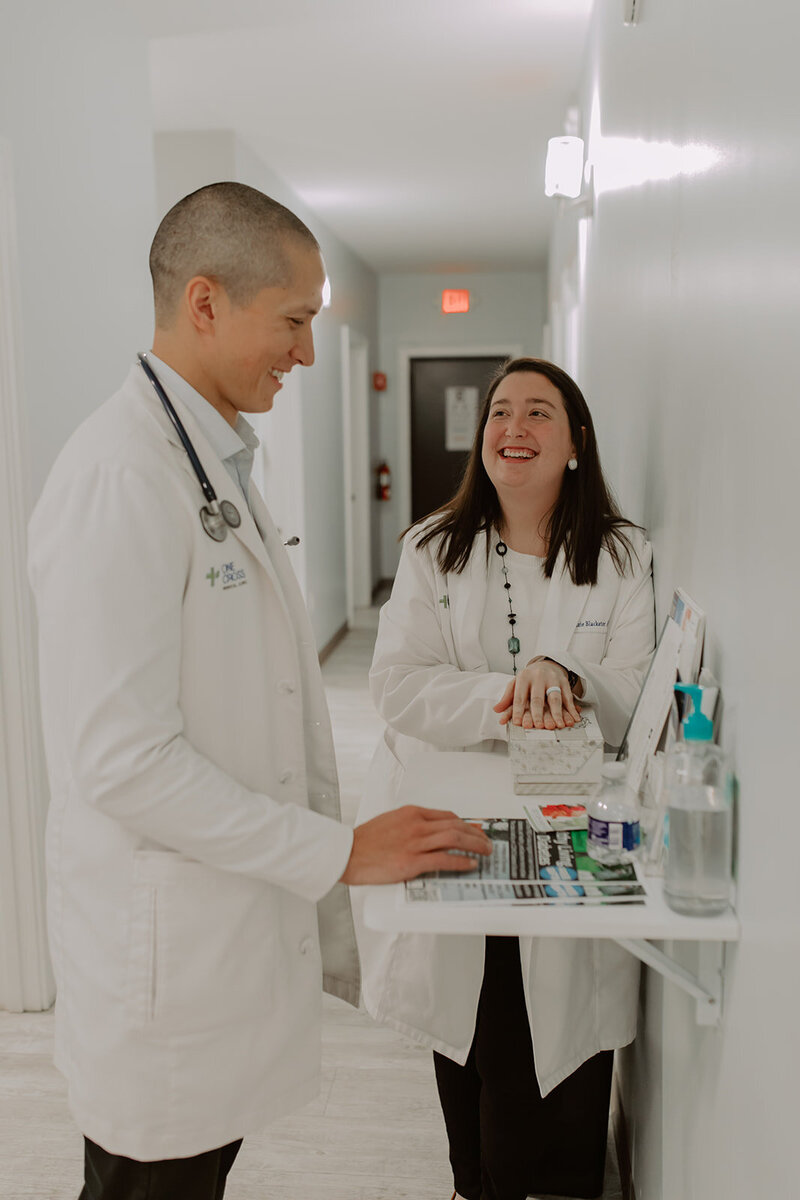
(557, 762)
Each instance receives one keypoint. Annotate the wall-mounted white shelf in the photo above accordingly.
(479, 785)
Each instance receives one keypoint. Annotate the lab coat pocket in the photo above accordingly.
(589, 644)
(201, 945)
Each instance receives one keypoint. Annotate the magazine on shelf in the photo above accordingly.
(555, 814)
(532, 866)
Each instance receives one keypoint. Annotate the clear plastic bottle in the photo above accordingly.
(697, 874)
(613, 814)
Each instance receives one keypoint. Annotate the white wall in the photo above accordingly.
(186, 161)
(74, 103)
(191, 159)
(76, 214)
(689, 362)
(506, 308)
(354, 303)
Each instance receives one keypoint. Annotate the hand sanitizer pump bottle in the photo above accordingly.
(697, 876)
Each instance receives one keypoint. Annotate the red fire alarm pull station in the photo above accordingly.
(379, 381)
(455, 300)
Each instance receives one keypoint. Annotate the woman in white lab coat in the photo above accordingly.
(526, 594)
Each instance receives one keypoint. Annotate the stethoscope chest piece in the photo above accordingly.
(231, 514)
(216, 524)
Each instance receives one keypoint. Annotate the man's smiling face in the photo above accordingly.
(257, 343)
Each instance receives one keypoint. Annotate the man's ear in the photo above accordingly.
(201, 298)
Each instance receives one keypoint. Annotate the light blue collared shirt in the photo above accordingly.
(235, 447)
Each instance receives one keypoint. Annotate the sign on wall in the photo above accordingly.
(461, 417)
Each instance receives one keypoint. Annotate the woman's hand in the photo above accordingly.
(539, 697)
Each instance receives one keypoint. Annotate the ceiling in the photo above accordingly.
(415, 129)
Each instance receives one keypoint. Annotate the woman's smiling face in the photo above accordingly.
(527, 440)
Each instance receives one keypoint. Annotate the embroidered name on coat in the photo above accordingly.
(229, 575)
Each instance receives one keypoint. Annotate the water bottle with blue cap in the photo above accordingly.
(613, 817)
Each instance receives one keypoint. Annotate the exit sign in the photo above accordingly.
(455, 300)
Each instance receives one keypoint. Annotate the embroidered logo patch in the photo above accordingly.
(231, 576)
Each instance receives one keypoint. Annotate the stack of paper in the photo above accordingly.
(558, 762)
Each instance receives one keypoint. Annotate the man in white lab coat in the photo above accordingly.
(195, 853)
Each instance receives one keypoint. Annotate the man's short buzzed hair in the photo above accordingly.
(228, 232)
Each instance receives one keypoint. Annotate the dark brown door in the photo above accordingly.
(446, 396)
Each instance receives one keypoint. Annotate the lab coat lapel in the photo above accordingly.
(467, 595)
(282, 569)
(267, 549)
(247, 532)
(562, 609)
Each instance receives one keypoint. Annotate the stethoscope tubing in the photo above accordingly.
(197, 466)
(216, 517)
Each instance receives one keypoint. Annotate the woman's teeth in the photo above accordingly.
(508, 453)
(278, 375)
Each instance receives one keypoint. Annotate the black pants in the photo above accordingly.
(114, 1177)
(505, 1140)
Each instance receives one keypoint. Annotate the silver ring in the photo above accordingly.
(554, 688)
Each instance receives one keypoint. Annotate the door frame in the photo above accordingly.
(279, 469)
(404, 357)
(26, 981)
(355, 452)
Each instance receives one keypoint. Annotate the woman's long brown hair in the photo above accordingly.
(585, 517)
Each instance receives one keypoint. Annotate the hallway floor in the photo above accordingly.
(374, 1133)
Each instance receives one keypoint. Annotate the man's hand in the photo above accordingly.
(408, 841)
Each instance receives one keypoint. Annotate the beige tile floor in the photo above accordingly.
(374, 1133)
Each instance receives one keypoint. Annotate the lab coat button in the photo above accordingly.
(285, 776)
(306, 945)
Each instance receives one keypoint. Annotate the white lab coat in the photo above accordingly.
(431, 683)
(193, 840)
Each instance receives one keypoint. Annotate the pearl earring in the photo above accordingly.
(573, 464)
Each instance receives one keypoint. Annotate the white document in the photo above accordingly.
(460, 417)
(692, 621)
(652, 707)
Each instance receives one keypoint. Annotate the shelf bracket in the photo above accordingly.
(705, 986)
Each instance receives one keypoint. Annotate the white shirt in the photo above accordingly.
(528, 592)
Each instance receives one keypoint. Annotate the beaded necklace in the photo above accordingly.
(513, 642)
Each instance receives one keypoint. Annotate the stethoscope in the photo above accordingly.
(217, 515)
